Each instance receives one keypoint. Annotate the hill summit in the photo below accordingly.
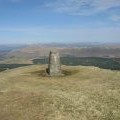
(84, 93)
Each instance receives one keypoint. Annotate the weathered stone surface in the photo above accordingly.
(54, 66)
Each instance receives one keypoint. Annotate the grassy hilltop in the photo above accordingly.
(84, 93)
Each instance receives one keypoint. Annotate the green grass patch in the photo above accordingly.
(106, 63)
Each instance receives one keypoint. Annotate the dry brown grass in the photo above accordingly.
(84, 93)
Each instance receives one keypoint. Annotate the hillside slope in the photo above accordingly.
(26, 54)
(84, 93)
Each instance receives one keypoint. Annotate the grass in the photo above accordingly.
(84, 93)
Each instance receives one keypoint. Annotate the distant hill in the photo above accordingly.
(8, 47)
(25, 54)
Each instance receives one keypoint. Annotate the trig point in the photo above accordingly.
(54, 66)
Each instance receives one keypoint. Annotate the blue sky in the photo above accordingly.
(43, 21)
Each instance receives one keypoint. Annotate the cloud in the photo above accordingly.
(16, 29)
(106, 4)
(81, 7)
(70, 6)
(115, 18)
(63, 34)
(12, 1)
(76, 7)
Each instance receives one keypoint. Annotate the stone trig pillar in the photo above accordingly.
(54, 66)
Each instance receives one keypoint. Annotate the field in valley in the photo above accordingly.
(84, 93)
(106, 63)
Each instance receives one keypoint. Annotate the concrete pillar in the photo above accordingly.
(54, 66)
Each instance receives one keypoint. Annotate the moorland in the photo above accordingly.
(89, 89)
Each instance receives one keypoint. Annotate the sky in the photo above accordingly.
(59, 21)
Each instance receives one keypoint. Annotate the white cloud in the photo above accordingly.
(13, 1)
(16, 29)
(81, 7)
(67, 34)
(106, 4)
(115, 18)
